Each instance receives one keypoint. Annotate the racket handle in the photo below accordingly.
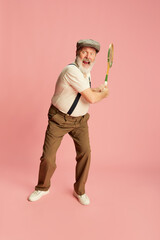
(106, 80)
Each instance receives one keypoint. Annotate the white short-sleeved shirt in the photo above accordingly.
(69, 83)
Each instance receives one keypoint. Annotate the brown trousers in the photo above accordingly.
(60, 124)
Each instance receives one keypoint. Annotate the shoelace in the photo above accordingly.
(84, 196)
(37, 192)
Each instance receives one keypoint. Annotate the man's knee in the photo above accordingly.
(48, 162)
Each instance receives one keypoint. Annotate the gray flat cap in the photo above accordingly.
(88, 43)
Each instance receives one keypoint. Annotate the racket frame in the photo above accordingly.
(110, 61)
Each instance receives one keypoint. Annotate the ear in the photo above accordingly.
(77, 52)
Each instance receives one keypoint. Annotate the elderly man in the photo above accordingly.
(68, 113)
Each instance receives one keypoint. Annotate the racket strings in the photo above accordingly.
(110, 55)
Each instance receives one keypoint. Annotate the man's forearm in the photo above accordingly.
(94, 96)
(99, 88)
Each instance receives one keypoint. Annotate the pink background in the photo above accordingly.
(37, 39)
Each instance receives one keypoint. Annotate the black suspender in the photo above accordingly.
(74, 104)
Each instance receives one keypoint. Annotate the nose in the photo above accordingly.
(88, 55)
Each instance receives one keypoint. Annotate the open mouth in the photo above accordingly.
(86, 62)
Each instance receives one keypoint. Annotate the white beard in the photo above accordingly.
(83, 69)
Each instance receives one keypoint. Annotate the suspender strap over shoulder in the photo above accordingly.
(76, 100)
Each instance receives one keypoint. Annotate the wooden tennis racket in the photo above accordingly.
(110, 61)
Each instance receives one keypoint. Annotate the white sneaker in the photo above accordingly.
(37, 194)
(83, 199)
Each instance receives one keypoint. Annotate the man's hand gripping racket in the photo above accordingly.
(110, 61)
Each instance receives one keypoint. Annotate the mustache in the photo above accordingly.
(86, 60)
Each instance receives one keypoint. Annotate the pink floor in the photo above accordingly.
(38, 38)
(125, 205)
